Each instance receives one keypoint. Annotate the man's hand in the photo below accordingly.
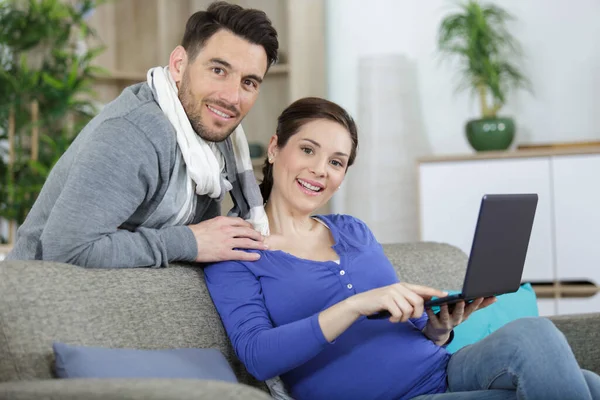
(439, 326)
(218, 237)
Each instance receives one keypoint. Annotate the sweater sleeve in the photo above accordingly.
(265, 350)
(420, 322)
(111, 176)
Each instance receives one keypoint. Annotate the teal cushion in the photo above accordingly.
(507, 308)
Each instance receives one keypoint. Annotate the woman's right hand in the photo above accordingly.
(402, 300)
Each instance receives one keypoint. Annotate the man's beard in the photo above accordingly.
(194, 113)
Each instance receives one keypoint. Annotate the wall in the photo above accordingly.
(560, 39)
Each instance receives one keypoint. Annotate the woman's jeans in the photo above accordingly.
(526, 359)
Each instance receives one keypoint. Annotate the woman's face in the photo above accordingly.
(311, 166)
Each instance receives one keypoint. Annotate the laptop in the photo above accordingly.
(498, 251)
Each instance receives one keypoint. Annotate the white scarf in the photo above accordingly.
(202, 166)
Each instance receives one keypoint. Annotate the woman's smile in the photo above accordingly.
(311, 188)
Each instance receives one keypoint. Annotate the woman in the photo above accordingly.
(300, 310)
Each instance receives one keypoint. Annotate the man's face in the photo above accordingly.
(219, 87)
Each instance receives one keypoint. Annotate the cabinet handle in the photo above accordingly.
(565, 289)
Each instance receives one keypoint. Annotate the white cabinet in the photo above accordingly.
(565, 240)
(450, 196)
(581, 305)
(576, 188)
(547, 307)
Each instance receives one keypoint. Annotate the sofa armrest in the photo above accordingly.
(131, 389)
(581, 331)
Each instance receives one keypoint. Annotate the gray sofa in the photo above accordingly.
(41, 302)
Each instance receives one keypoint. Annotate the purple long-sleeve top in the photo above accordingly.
(270, 310)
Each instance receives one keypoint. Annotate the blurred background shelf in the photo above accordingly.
(140, 76)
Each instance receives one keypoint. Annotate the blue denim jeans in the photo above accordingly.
(526, 359)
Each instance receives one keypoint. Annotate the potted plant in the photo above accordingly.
(46, 96)
(477, 35)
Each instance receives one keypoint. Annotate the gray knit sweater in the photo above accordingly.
(107, 183)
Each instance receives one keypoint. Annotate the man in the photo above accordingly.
(141, 185)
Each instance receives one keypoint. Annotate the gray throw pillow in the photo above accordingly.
(100, 362)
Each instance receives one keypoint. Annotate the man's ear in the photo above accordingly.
(272, 149)
(178, 63)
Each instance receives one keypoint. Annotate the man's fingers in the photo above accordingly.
(218, 237)
(247, 233)
(248, 244)
(243, 256)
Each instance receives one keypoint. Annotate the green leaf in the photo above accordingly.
(53, 82)
(93, 53)
(62, 85)
(39, 168)
(478, 36)
(73, 74)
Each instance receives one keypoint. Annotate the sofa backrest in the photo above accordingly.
(438, 265)
(42, 302)
(141, 308)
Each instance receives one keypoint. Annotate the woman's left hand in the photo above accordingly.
(439, 326)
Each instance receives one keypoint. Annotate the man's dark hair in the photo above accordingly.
(250, 24)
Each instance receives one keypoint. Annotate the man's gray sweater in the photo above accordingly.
(107, 183)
